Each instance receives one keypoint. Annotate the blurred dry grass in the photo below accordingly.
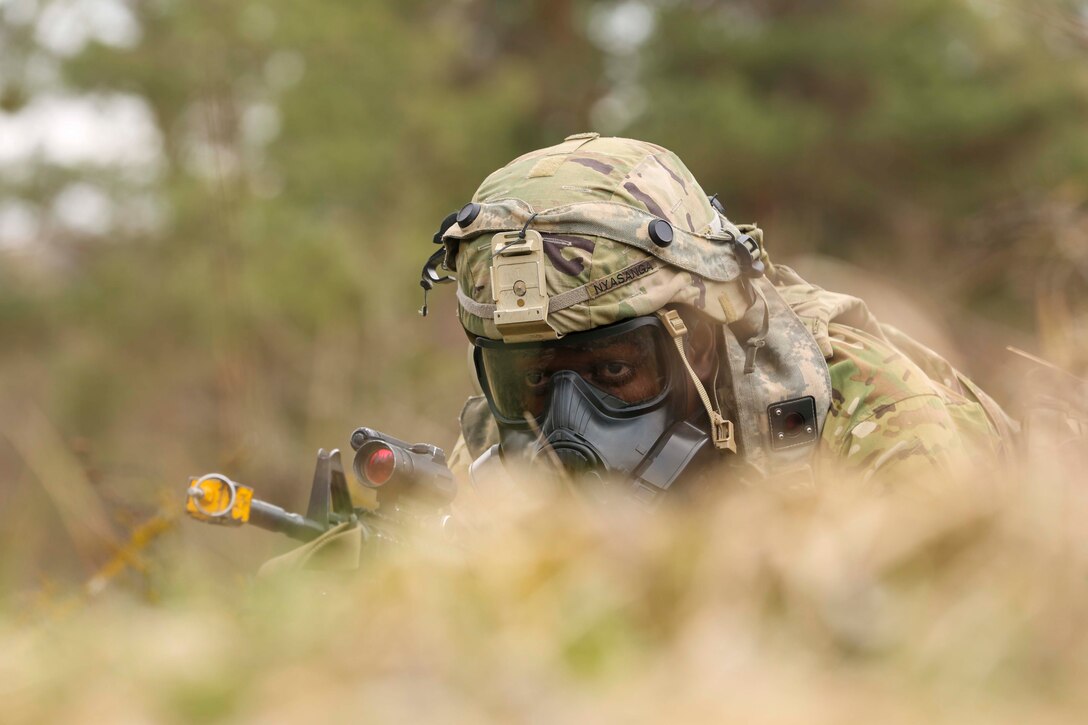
(837, 607)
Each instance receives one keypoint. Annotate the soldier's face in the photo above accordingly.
(630, 368)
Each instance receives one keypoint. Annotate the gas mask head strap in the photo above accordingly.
(721, 430)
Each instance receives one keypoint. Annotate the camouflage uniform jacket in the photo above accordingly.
(898, 409)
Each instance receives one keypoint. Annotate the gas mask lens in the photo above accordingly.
(625, 363)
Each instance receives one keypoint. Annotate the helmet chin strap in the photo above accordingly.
(721, 430)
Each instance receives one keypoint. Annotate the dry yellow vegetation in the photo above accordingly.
(840, 606)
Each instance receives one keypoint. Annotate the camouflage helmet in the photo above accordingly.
(597, 230)
(625, 229)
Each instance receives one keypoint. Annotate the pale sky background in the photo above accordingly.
(65, 129)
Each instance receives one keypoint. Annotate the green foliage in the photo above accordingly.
(849, 115)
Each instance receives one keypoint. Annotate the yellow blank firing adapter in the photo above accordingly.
(518, 286)
(218, 500)
(215, 499)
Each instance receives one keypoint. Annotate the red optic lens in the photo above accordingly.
(379, 466)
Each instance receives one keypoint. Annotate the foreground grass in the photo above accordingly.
(753, 608)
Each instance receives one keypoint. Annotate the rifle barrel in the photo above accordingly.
(273, 518)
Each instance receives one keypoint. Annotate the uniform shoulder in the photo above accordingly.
(869, 373)
(885, 409)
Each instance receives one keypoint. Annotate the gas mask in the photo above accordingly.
(609, 405)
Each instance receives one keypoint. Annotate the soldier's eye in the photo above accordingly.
(535, 379)
(613, 372)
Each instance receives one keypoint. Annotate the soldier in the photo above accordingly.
(623, 326)
(624, 329)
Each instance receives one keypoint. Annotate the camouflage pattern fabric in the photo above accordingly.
(896, 406)
(892, 421)
(593, 199)
(478, 433)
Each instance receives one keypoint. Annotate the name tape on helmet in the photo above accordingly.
(625, 276)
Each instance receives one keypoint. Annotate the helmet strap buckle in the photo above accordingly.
(721, 429)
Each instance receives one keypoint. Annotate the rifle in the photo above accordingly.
(411, 481)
